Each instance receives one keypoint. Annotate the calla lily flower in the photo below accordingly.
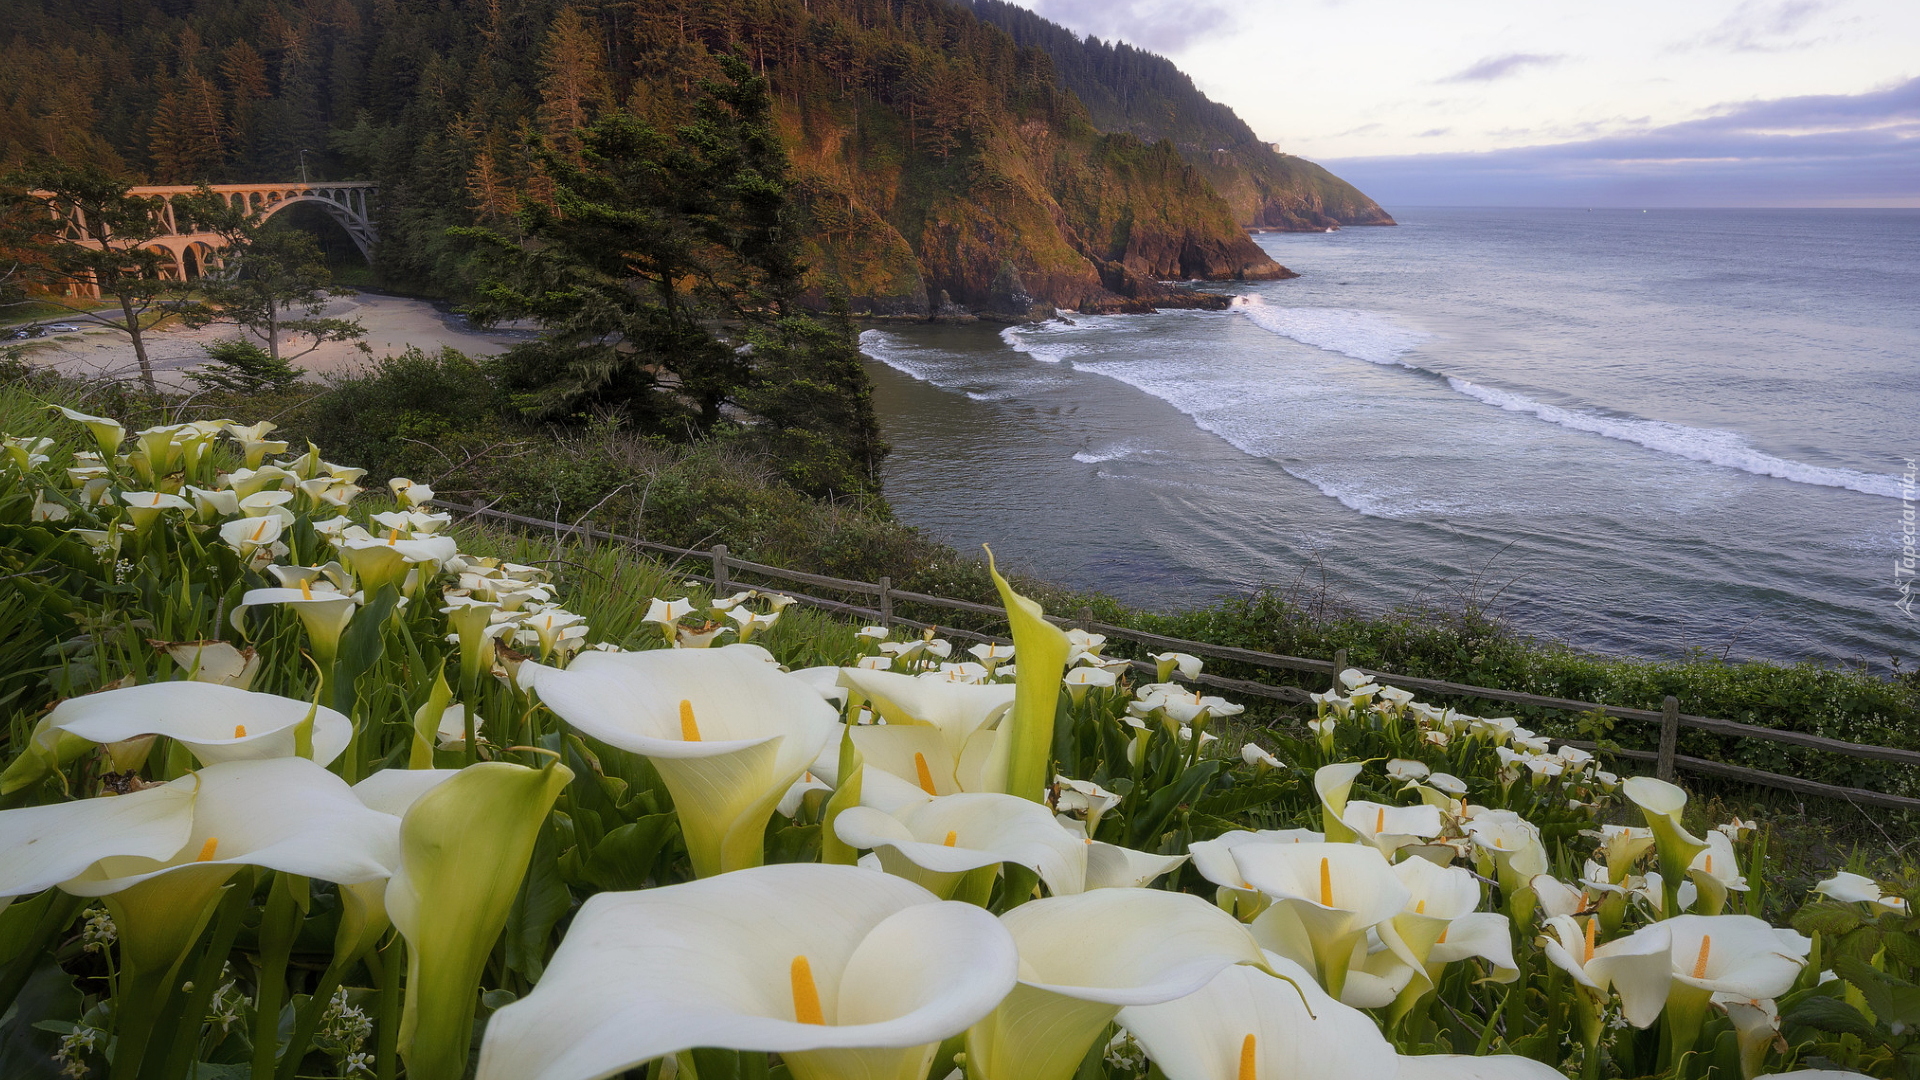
(287, 814)
(1259, 757)
(728, 732)
(667, 614)
(464, 846)
(147, 507)
(1026, 744)
(1332, 783)
(939, 725)
(1661, 804)
(1167, 663)
(1214, 859)
(217, 723)
(323, 612)
(936, 842)
(1481, 935)
(215, 662)
(1391, 828)
(1082, 800)
(1331, 893)
(1110, 866)
(1248, 1025)
(1756, 1024)
(1082, 679)
(409, 492)
(249, 536)
(841, 971)
(1406, 769)
(109, 434)
(1850, 888)
(1082, 958)
(42, 846)
(1715, 871)
(1437, 896)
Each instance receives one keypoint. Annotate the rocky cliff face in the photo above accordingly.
(1042, 216)
(1268, 190)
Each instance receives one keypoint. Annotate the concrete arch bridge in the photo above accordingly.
(195, 251)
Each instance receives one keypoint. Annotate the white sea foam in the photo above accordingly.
(1710, 445)
(1113, 453)
(1365, 335)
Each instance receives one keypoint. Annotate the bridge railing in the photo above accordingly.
(725, 571)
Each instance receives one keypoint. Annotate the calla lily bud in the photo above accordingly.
(464, 847)
(1027, 744)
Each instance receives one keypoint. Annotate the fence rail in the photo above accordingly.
(723, 567)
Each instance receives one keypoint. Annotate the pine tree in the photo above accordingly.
(573, 84)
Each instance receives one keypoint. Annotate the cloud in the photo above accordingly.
(1827, 149)
(1162, 26)
(1761, 27)
(1502, 67)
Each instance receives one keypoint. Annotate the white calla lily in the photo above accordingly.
(841, 971)
(42, 846)
(728, 732)
(1391, 828)
(217, 723)
(935, 842)
(1248, 1025)
(1849, 888)
(1082, 958)
(1330, 893)
(285, 814)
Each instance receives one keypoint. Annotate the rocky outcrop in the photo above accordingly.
(1269, 190)
(1041, 219)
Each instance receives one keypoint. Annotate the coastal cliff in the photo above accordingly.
(1146, 95)
(1042, 216)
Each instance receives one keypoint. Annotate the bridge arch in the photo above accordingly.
(193, 249)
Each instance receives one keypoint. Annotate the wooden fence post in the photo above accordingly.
(719, 570)
(886, 601)
(1086, 618)
(1669, 732)
(1339, 665)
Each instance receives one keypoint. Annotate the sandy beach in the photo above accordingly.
(392, 323)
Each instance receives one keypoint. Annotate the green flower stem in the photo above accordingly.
(387, 1047)
(159, 920)
(1686, 1013)
(279, 925)
(184, 1047)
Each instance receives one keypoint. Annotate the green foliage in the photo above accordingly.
(238, 366)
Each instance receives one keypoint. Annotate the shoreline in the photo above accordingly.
(393, 324)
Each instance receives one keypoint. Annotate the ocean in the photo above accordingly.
(1640, 432)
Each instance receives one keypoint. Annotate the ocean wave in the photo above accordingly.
(1113, 453)
(1710, 445)
(1363, 335)
(1369, 336)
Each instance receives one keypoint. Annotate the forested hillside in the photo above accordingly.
(933, 154)
(1144, 94)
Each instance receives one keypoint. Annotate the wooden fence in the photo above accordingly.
(723, 569)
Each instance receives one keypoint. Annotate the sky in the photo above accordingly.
(1556, 103)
